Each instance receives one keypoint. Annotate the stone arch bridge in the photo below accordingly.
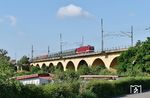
(107, 58)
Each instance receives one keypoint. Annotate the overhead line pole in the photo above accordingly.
(82, 41)
(132, 36)
(48, 50)
(60, 43)
(32, 51)
(102, 36)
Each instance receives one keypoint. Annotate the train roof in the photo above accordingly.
(87, 46)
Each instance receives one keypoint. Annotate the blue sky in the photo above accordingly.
(39, 22)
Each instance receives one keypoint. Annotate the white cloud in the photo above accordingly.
(72, 11)
(12, 20)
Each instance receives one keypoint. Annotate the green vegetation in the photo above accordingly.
(17, 90)
(61, 90)
(87, 94)
(67, 76)
(6, 70)
(136, 60)
(92, 89)
(133, 62)
(108, 89)
(24, 63)
(99, 70)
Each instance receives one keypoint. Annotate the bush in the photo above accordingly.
(84, 70)
(31, 91)
(87, 94)
(8, 91)
(135, 60)
(107, 89)
(93, 89)
(17, 90)
(74, 86)
(98, 69)
(106, 72)
(68, 76)
(64, 90)
(102, 88)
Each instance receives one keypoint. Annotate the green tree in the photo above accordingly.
(35, 69)
(85, 70)
(6, 72)
(68, 76)
(3, 54)
(98, 69)
(24, 63)
(135, 60)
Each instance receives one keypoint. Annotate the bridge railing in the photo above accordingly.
(83, 54)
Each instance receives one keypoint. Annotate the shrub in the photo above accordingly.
(84, 70)
(63, 90)
(107, 89)
(135, 60)
(98, 69)
(74, 86)
(87, 94)
(68, 75)
(93, 89)
(102, 88)
(16, 90)
(8, 91)
(31, 91)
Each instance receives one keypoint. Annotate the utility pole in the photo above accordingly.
(32, 51)
(15, 56)
(102, 35)
(60, 44)
(82, 41)
(129, 34)
(132, 36)
(48, 50)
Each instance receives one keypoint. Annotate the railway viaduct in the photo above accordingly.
(74, 62)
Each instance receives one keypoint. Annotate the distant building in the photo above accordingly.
(36, 79)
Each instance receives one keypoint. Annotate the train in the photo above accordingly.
(79, 50)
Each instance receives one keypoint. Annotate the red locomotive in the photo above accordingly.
(85, 49)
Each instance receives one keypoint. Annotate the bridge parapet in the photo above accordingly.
(107, 58)
(81, 55)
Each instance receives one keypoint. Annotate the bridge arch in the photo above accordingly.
(98, 62)
(37, 65)
(114, 62)
(59, 66)
(51, 65)
(44, 68)
(51, 68)
(70, 66)
(82, 63)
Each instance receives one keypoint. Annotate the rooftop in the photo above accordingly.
(45, 76)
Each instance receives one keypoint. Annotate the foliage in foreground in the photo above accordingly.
(108, 89)
(6, 72)
(136, 60)
(93, 89)
(63, 90)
